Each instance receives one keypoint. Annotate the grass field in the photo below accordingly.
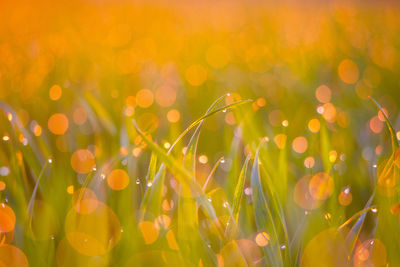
(187, 133)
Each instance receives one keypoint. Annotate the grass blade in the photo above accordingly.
(263, 216)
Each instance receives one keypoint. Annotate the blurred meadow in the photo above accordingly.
(199, 133)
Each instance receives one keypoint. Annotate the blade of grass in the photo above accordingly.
(151, 204)
(211, 174)
(199, 120)
(263, 216)
(395, 142)
(239, 190)
(181, 174)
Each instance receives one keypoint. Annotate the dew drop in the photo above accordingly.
(137, 181)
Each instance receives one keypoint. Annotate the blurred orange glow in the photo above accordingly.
(171, 240)
(165, 96)
(323, 94)
(118, 179)
(94, 233)
(58, 123)
(144, 98)
(82, 161)
(280, 140)
(348, 71)
(149, 231)
(314, 125)
(12, 256)
(79, 116)
(321, 186)
(371, 252)
(173, 115)
(262, 239)
(376, 125)
(302, 196)
(7, 218)
(309, 162)
(300, 144)
(84, 201)
(2, 185)
(55, 92)
(345, 197)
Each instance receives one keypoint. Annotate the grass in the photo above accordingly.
(153, 135)
(173, 217)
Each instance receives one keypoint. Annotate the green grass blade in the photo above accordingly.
(239, 190)
(211, 174)
(263, 216)
(151, 204)
(199, 120)
(181, 174)
(395, 142)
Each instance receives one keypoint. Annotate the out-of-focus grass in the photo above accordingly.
(113, 152)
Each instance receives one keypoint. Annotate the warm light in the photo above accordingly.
(165, 96)
(12, 256)
(381, 116)
(302, 196)
(376, 125)
(321, 186)
(36, 129)
(82, 161)
(149, 231)
(2, 185)
(94, 233)
(345, 197)
(173, 116)
(314, 125)
(323, 94)
(261, 102)
(329, 112)
(162, 222)
(262, 239)
(118, 179)
(84, 201)
(203, 159)
(7, 218)
(79, 116)
(348, 71)
(172, 244)
(55, 92)
(280, 140)
(300, 144)
(70, 189)
(309, 162)
(332, 156)
(144, 98)
(58, 123)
